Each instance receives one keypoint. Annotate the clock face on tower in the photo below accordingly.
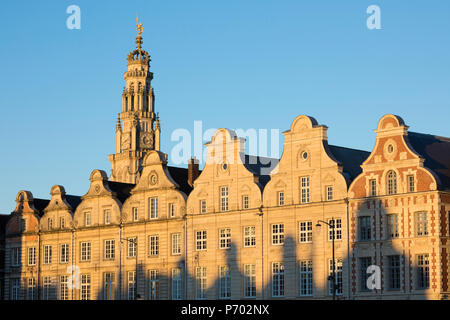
(146, 140)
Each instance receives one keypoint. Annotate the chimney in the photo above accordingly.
(192, 171)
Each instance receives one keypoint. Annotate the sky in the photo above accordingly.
(235, 64)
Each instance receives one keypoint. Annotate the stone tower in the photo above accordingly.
(137, 128)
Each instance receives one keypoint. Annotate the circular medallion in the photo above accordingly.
(153, 178)
(97, 188)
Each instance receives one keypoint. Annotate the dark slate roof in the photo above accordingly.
(3, 221)
(123, 190)
(74, 201)
(350, 159)
(180, 175)
(40, 205)
(436, 152)
(260, 166)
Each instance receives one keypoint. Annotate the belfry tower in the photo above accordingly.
(137, 128)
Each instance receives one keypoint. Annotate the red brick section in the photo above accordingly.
(433, 267)
(381, 267)
(410, 268)
(443, 222)
(404, 267)
(444, 271)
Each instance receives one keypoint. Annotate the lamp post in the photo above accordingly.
(134, 241)
(331, 224)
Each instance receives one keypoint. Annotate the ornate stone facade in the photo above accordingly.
(244, 227)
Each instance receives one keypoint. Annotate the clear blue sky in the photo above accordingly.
(236, 64)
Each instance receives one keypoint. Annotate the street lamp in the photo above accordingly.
(333, 274)
(134, 241)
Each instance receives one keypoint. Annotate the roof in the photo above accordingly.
(3, 221)
(350, 159)
(74, 201)
(180, 175)
(260, 166)
(40, 205)
(123, 190)
(436, 152)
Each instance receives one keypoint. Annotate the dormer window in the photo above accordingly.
(87, 219)
(372, 187)
(391, 182)
(411, 184)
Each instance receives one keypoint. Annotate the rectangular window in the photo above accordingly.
(394, 272)
(225, 238)
(62, 222)
(305, 231)
(200, 240)
(281, 198)
(421, 224)
(306, 278)
(392, 224)
(278, 234)
(202, 206)
(16, 257)
(154, 245)
(85, 251)
(31, 289)
(107, 215)
(153, 208)
(411, 185)
(108, 286)
(201, 282)
(47, 254)
(171, 210)
(304, 189)
(337, 229)
(153, 284)
(245, 202)
(329, 192)
(50, 223)
(249, 281)
(131, 285)
(277, 279)
(85, 287)
(364, 263)
(423, 271)
(64, 253)
(176, 243)
(364, 228)
(249, 236)
(135, 214)
(15, 289)
(176, 284)
(373, 187)
(224, 282)
(63, 288)
(110, 251)
(132, 247)
(338, 271)
(32, 256)
(87, 219)
(223, 198)
(47, 285)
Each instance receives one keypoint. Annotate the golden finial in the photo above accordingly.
(139, 26)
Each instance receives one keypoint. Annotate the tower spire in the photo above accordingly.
(137, 132)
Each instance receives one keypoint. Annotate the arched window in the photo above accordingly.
(391, 182)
